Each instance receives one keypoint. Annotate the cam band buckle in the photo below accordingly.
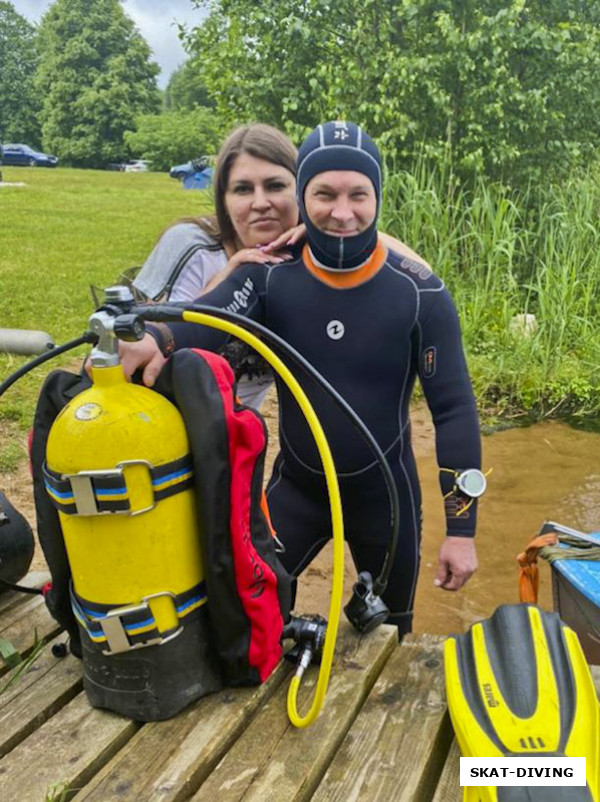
(83, 489)
(116, 634)
(84, 492)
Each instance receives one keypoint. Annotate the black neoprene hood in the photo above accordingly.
(339, 146)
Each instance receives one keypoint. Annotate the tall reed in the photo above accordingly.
(504, 254)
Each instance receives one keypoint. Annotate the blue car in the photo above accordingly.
(27, 157)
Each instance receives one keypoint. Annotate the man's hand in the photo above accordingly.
(457, 561)
(143, 354)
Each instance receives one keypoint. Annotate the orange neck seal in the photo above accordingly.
(346, 279)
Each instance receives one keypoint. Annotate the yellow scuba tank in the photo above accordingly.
(110, 444)
(119, 470)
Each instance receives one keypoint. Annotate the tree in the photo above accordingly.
(505, 87)
(175, 137)
(186, 89)
(95, 76)
(18, 58)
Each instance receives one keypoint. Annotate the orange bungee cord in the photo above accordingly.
(529, 578)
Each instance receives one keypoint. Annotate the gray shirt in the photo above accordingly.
(181, 264)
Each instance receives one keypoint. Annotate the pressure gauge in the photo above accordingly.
(471, 482)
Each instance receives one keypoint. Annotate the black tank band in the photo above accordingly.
(97, 492)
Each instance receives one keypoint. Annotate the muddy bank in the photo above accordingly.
(549, 471)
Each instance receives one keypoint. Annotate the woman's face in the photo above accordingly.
(260, 200)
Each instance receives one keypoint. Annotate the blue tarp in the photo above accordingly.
(200, 180)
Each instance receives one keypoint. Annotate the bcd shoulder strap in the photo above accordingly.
(249, 591)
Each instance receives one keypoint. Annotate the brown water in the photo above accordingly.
(549, 471)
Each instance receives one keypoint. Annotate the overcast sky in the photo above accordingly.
(154, 19)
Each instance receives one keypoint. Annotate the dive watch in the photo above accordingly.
(471, 482)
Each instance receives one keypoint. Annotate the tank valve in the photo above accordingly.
(365, 610)
(309, 634)
(114, 321)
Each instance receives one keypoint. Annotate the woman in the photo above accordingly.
(255, 204)
(256, 217)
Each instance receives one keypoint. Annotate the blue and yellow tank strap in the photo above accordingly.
(109, 488)
(136, 620)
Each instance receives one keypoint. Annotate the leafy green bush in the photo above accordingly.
(19, 104)
(175, 137)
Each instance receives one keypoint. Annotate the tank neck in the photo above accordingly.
(108, 376)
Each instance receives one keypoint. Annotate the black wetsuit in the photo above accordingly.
(370, 342)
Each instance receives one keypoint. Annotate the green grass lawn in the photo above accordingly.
(61, 233)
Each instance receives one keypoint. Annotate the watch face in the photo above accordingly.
(472, 483)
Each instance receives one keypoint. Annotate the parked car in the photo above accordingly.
(181, 171)
(25, 156)
(137, 166)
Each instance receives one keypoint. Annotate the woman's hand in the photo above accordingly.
(289, 237)
(401, 248)
(143, 354)
(260, 254)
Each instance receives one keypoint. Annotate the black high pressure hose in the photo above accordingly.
(88, 337)
(173, 313)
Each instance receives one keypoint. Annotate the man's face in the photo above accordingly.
(341, 203)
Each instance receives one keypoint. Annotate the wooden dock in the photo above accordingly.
(384, 733)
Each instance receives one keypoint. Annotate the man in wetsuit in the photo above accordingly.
(370, 321)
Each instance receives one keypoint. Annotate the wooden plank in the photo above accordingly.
(397, 746)
(15, 612)
(9, 599)
(449, 789)
(167, 760)
(275, 761)
(66, 751)
(21, 626)
(29, 697)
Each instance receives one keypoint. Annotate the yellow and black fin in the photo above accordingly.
(518, 685)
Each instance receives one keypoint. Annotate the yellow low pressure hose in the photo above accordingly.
(334, 501)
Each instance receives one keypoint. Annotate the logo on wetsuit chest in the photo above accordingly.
(335, 329)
